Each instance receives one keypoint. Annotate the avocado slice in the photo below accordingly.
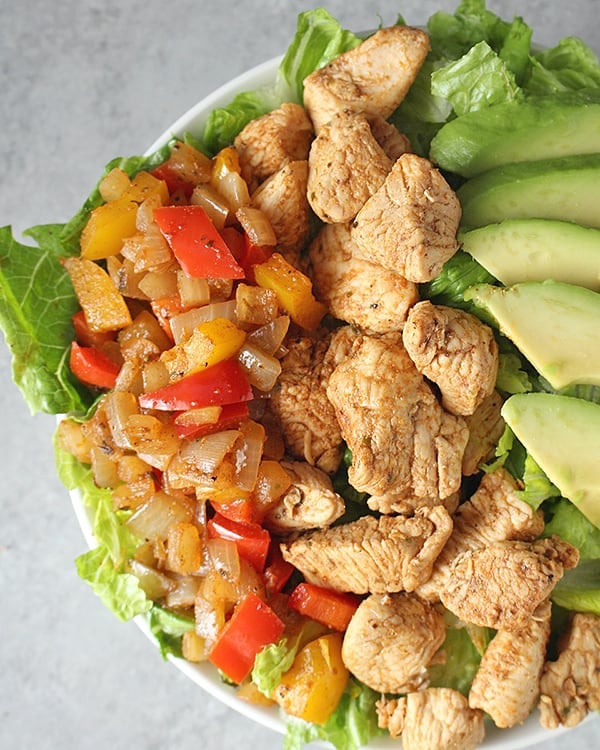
(517, 250)
(517, 131)
(562, 434)
(555, 325)
(567, 189)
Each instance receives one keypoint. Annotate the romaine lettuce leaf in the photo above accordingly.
(566, 521)
(457, 275)
(168, 628)
(569, 66)
(579, 588)
(462, 661)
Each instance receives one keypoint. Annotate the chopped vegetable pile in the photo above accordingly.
(329, 381)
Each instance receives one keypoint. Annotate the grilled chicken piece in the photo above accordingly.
(410, 223)
(282, 198)
(268, 143)
(486, 426)
(356, 290)
(370, 555)
(507, 683)
(456, 351)
(391, 140)
(299, 401)
(390, 641)
(570, 686)
(401, 439)
(500, 586)
(432, 719)
(373, 78)
(391, 502)
(309, 503)
(493, 513)
(346, 166)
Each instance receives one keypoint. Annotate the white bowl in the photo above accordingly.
(204, 675)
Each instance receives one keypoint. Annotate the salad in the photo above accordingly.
(207, 311)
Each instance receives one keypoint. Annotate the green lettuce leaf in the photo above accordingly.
(168, 628)
(480, 78)
(36, 305)
(457, 275)
(351, 727)
(462, 661)
(538, 487)
(569, 66)
(566, 521)
(579, 588)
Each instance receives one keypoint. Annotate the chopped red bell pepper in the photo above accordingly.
(231, 415)
(252, 541)
(223, 383)
(331, 608)
(242, 510)
(196, 243)
(277, 571)
(252, 626)
(92, 366)
(84, 334)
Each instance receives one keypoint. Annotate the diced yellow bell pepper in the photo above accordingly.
(209, 343)
(293, 290)
(111, 223)
(226, 161)
(103, 305)
(312, 688)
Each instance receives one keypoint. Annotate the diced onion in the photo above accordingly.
(155, 585)
(215, 205)
(154, 376)
(159, 284)
(248, 454)
(152, 520)
(184, 592)
(104, 469)
(114, 184)
(201, 415)
(144, 216)
(234, 189)
(254, 305)
(256, 225)
(183, 324)
(120, 406)
(207, 453)
(193, 291)
(261, 369)
(270, 336)
(225, 560)
(148, 251)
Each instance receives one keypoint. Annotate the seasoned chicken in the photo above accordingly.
(410, 223)
(570, 686)
(486, 426)
(493, 513)
(372, 78)
(346, 166)
(356, 290)
(268, 143)
(372, 555)
(391, 140)
(432, 719)
(309, 503)
(500, 586)
(401, 439)
(507, 683)
(390, 641)
(391, 502)
(299, 401)
(282, 198)
(455, 350)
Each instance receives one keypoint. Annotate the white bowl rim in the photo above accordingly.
(205, 675)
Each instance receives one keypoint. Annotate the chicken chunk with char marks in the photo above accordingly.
(506, 685)
(455, 350)
(282, 199)
(299, 401)
(410, 223)
(501, 585)
(486, 426)
(432, 719)
(372, 555)
(355, 290)
(346, 166)
(493, 513)
(570, 686)
(309, 503)
(268, 143)
(390, 641)
(372, 78)
(401, 439)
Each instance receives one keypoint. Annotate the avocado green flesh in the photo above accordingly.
(566, 189)
(518, 250)
(562, 434)
(520, 131)
(553, 324)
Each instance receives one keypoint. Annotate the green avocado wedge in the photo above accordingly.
(553, 324)
(566, 189)
(517, 250)
(517, 131)
(562, 434)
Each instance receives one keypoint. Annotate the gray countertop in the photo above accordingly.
(82, 81)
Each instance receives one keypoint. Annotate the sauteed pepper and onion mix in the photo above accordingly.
(302, 418)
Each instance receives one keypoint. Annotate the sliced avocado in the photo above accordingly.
(567, 189)
(516, 131)
(555, 325)
(562, 434)
(537, 249)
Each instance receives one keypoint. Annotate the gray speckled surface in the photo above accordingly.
(82, 81)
